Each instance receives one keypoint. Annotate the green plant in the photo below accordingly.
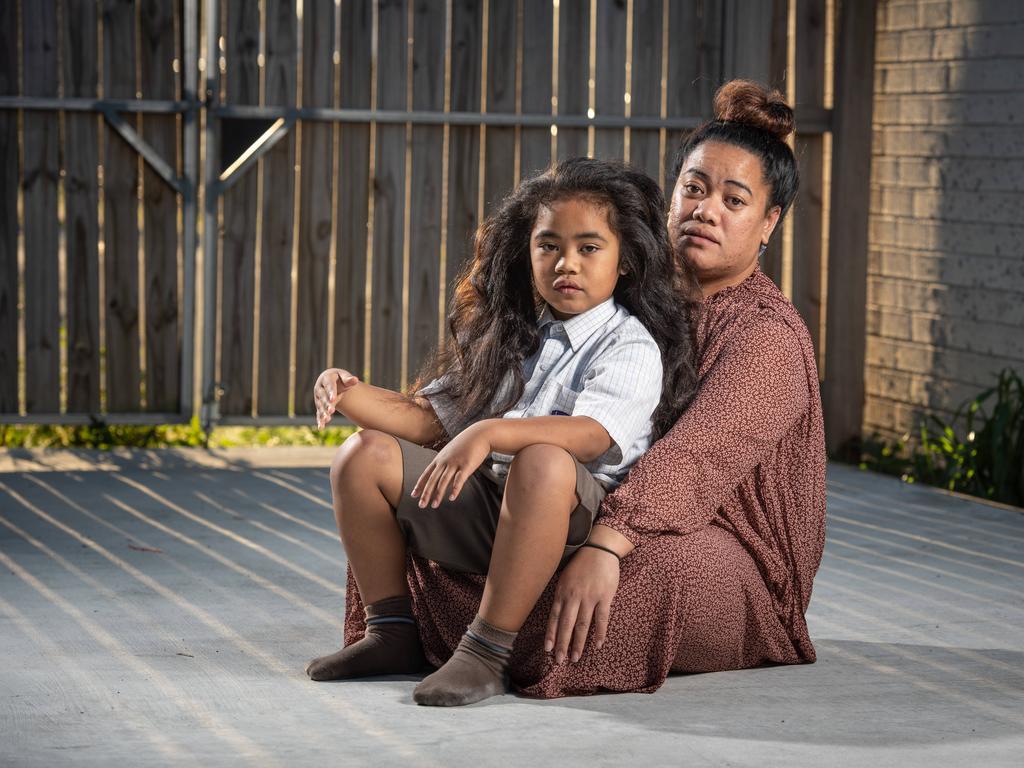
(988, 460)
(99, 434)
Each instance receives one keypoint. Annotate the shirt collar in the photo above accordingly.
(579, 328)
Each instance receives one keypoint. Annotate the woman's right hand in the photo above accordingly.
(330, 386)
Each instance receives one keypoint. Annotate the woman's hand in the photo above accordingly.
(328, 390)
(583, 597)
(453, 465)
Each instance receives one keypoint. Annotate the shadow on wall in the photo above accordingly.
(946, 286)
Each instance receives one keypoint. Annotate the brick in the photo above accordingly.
(930, 78)
(887, 46)
(950, 268)
(900, 16)
(986, 12)
(1001, 108)
(970, 336)
(898, 78)
(967, 173)
(936, 14)
(1003, 142)
(918, 45)
(974, 42)
(948, 44)
(987, 75)
(1000, 309)
(967, 238)
(957, 206)
(977, 370)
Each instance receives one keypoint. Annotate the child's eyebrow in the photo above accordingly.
(590, 236)
(549, 233)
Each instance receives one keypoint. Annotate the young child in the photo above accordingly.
(568, 354)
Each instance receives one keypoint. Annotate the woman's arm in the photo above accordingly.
(754, 393)
(373, 407)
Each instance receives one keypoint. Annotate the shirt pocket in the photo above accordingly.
(557, 400)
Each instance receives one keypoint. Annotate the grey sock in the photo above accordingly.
(477, 670)
(391, 645)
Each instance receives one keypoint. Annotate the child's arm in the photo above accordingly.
(373, 407)
(581, 436)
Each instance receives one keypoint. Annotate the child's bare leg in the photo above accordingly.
(366, 483)
(540, 495)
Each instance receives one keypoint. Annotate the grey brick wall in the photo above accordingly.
(946, 243)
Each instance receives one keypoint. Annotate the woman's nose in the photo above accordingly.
(705, 212)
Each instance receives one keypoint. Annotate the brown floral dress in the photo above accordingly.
(727, 513)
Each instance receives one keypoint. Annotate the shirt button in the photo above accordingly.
(544, 366)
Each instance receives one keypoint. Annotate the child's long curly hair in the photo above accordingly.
(493, 319)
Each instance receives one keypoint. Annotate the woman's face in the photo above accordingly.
(719, 216)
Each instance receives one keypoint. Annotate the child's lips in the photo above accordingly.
(566, 287)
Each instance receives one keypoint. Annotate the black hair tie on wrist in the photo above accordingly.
(606, 549)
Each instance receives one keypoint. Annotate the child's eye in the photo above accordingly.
(548, 247)
(588, 248)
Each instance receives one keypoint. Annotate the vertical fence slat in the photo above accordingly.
(389, 200)
(807, 213)
(353, 191)
(278, 214)
(645, 88)
(464, 141)
(317, 199)
(81, 204)
(573, 74)
(425, 216)
(160, 211)
(746, 50)
(535, 143)
(120, 215)
(238, 247)
(694, 68)
(500, 150)
(610, 80)
(9, 181)
(42, 318)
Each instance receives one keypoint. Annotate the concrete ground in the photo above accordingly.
(158, 608)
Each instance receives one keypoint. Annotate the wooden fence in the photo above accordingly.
(351, 148)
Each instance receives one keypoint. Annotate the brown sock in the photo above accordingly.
(477, 670)
(391, 645)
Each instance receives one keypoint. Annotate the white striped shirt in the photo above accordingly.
(601, 363)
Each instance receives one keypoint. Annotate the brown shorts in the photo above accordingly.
(460, 534)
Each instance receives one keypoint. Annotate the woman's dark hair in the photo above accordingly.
(492, 324)
(750, 116)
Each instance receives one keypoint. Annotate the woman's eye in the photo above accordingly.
(735, 201)
(692, 189)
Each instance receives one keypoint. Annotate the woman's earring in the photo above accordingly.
(762, 249)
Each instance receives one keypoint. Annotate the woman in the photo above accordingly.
(718, 530)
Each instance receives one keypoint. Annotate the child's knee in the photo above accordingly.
(362, 453)
(545, 468)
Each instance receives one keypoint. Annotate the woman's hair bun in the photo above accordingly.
(750, 103)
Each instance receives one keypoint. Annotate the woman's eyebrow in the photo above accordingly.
(741, 185)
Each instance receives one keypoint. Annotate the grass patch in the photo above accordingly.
(105, 436)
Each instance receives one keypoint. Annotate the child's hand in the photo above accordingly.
(453, 466)
(329, 387)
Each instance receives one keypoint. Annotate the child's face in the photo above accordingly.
(574, 255)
